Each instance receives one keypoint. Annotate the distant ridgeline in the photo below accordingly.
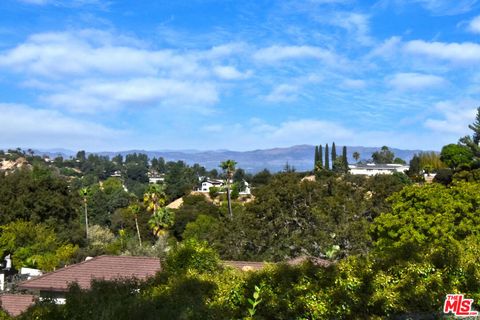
(299, 157)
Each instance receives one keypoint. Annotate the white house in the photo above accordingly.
(154, 178)
(371, 169)
(246, 191)
(209, 183)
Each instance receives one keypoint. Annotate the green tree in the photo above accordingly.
(327, 158)
(475, 127)
(383, 156)
(34, 245)
(334, 155)
(161, 220)
(261, 178)
(320, 155)
(228, 167)
(415, 166)
(345, 158)
(39, 195)
(356, 156)
(455, 155)
(315, 161)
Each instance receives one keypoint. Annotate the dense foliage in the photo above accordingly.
(392, 249)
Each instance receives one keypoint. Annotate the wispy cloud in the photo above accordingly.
(465, 52)
(97, 96)
(453, 117)
(437, 7)
(474, 25)
(22, 125)
(278, 53)
(283, 93)
(410, 81)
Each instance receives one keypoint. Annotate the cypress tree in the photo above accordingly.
(344, 157)
(320, 155)
(334, 155)
(316, 157)
(327, 158)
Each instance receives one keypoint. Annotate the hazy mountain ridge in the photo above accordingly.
(274, 159)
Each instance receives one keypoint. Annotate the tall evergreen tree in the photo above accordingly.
(320, 155)
(327, 158)
(344, 157)
(334, 155)
(315, 162)
(476, 128)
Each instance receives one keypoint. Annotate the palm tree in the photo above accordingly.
(84, 194)
(160, 220)
(356, 156)
(134, 210)
(228, 168)
(155, 199)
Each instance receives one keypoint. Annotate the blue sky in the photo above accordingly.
(239, 75)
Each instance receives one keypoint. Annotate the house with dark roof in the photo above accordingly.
(55, 284)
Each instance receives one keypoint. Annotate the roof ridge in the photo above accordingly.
(75, 265)
(59, 270)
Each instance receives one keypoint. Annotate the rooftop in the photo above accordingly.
(16, 304)
(100, 268)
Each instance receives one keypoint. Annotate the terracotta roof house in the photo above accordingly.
(55, 284)
(16, 304)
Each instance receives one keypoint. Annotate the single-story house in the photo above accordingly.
(55, 284)
(371, 169)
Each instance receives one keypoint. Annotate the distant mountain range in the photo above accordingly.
(301, 156)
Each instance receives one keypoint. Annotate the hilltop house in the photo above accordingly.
(209, 183)
(154, 177)
(371, 169)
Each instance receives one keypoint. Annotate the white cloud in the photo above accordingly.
(87, 52)
(230, 73)
(453, 117)
(465, 52)
(102, 95)
(436, 7)
(279, 53)
(415, 81)
(474, 25)
(213, 128)
(90, 70)
(356, 24)
(388, 48)
(283, 93)
(447, 7)
(21, 125)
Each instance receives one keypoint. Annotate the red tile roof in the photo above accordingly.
(16, 304)
(101, 267)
